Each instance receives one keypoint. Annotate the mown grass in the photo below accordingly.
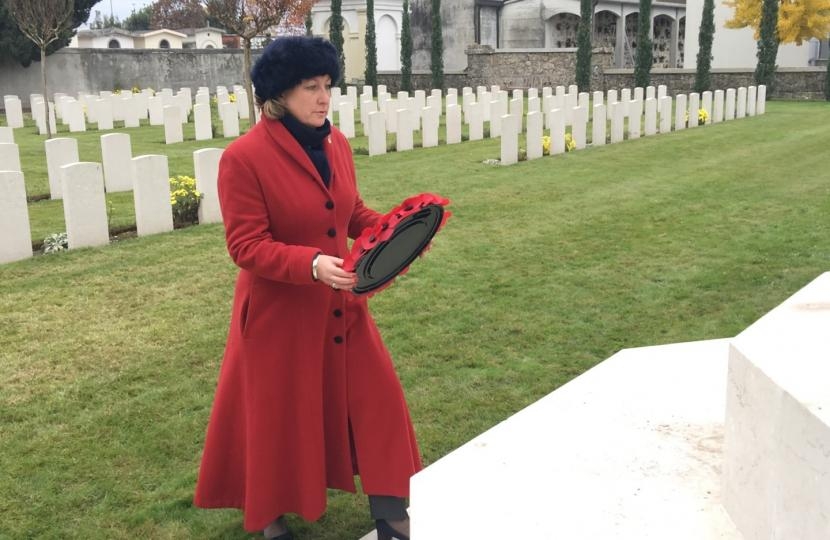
(109, 357)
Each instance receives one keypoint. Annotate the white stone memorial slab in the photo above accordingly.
(598, 126)
(173, 132)
(665, 104)
(6, 136)
(751, 100)
(116, 157)
(761, 106)
(740, 103)
(680, 112)
(16, 240)
(509, 140)
(617, 122)
(729, 111)
(377, 133)
(557, 131)
(650, 127)
(476, 127)
(14, 111)
(84, 205)
(717, 107)
(151, 191)
(202, 122)
(346, 119)
(694, 107)
(635, 116)
(60, 151)
(453, 120)
(535, 130)
(155, 106)
(206, 168)
(429, 134)
(403, 136)
(230, 120)
(580, 127)
(10, 157)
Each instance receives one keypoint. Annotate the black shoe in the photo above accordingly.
(288, 535)
(386, 532)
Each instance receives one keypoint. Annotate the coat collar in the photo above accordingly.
(286, 142)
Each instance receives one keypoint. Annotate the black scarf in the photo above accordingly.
(311, 139)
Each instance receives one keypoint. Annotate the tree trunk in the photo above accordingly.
(248, 87)
(45, 92)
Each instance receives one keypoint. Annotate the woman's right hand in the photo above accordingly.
(330, 272)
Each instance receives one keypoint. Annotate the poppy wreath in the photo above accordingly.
(378, 237)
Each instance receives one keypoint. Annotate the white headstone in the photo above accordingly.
(41, 120)
(665, 104)
(635, 118)
(467, 99)
(557, 131)
(403, 138)
(351, 94)
(132, 112)
(173, 125)
(638, 94)
(377, 133)
(476, 127)
(381, 89)
(429, 135)
(16, 240)
(761, 106)
(598, 98)
(10, 157)
(206, 168)
(14, 111)
(103, 114)
(740, 104)
(60, 151)
(453, 120)
(546, 91)
(390, 108)
(612, 98)
(367, 107)
(625, 99)
(717, 107)
(497, 112)
(151, 192)
(650, 93)
(651, 116)
(532, 93)
(230, 120)
(84, 205)
(729, 112)
(751, 100)
(617, 122)
(509, 140)
(6, 136)
(598, 125)
(346, 118)
(680, 111)
(74, 115)
(706, 103)
(661, 91)
(368, 90)
(202, 122)
(155, 106)
(116, 156)
(579, 128)
(242, 104)
(516, 109)
(534, 133)
(534, 105)
(694, 107)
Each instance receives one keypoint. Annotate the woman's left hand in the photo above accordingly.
(330, 272)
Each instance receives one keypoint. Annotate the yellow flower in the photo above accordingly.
(702, 116)
(545, 145)
(570, 144)
(232, 98)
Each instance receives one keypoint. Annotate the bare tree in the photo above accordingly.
(251, 18)
(43, 22)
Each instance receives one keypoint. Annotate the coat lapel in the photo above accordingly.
(283, 138)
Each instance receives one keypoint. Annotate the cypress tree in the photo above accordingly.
(406, 50)
(767, 45)
(437, 60)
(336, 38)
(703, 77)
(642, 65)
(371, 74)
(308, 24)
(583, 43)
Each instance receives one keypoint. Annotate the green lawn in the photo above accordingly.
(109, 356)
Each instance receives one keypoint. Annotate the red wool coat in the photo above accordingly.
(307, 394)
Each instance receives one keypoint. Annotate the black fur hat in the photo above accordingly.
(288, 60)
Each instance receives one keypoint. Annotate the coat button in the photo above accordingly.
(329, 204)
(338, 339)
(338, 313)
(332, 233)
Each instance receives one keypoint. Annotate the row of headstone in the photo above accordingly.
(83, 189)
(646, 111)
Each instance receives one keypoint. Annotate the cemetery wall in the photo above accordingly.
(91, 70)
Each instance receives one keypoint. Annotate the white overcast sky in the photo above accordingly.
(120, 8)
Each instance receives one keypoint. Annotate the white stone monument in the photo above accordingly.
(751, 100)
(635, 115)
(230, 120)
(403, 136)
(6, 135)
(680, 112)
(151, 191)
(429, 134)
(9, 157)
(651, 116)
(579, 127)
(476, 127)
(557, 131)
(202, 122)
(206, 168)
(60, 151)
(617, 122)
(116, 157)
(665, 104)
(509, 141)
(535, 129)
(14, 111)
(84, 205)
(598, 126)
(155, 106)
(694, 107)
(346, 119)
(761, 106)
(377, 133)
(453, 121)
(173, 125)
(729, 112)
(717, 107)
(16, 240)
(103, 114)
(740, 104)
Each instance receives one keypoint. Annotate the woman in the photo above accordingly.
(307, 394)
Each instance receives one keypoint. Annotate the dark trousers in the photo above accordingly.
(386, 507)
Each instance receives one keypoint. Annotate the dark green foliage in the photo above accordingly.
(644, 60)
(406, 50)
(371, 73)
(308, 24)
(767, 45)
(16, 46)
(827, 84)
(703, 78)
(583, 43)
(139, 20)
(437, 60)
(336, 38)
